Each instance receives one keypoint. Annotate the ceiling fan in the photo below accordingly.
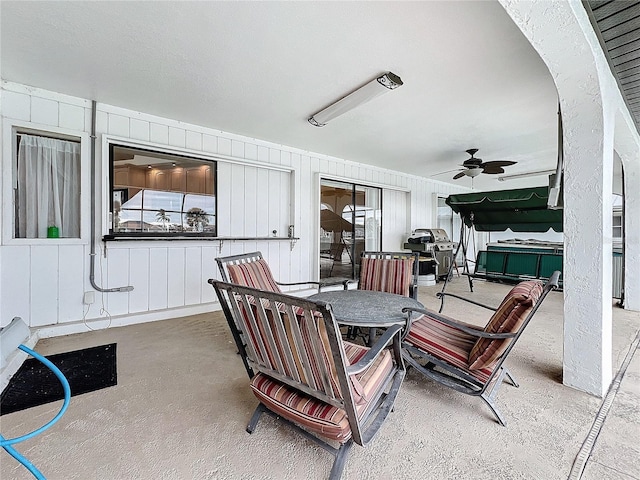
(472, 167)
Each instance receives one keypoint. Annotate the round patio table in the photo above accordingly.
(367, 308)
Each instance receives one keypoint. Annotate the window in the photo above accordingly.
(617, 217)
(617, 225)
(159, 194)
(444, 217)
(46, 187)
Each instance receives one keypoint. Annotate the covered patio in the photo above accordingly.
(492, 75)
(168, 417)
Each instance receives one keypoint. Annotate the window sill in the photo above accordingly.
(220, 240)
(203, 238)
(45, 241)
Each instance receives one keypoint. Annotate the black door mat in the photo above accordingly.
(34, 384)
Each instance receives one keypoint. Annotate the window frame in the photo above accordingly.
(455, 218)
(617, 231)
(109, 143)
(355, 186)
(11, 128)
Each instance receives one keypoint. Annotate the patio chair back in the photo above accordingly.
(392, 272)
(252, 270)
(249, 269)
(302, 370)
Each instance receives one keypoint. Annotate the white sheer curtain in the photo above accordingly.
(48, 187)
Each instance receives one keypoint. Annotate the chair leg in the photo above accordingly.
(339, 453)
(339, 462)
(352, 333)
(512, 379)
(489, 401)
(489, 396)
(256, 416)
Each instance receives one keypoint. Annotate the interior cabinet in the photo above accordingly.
(129, 176)
(157, 180)
(195, 180)
(120, 176)
(178, 179)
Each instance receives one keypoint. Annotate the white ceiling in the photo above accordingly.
(261, 68)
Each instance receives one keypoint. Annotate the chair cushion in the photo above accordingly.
(507, 319)
(392, 275)
(446, 343)
(315, 415)
(255, 274)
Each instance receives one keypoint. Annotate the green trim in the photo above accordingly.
(521, 210)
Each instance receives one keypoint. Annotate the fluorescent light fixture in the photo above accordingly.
(527, 174)
(376, 87)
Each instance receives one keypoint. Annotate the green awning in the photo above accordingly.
(521, 210)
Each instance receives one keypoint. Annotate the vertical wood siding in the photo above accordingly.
(396, 224)
(44, 284)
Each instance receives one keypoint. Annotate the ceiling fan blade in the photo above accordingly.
(498, 163)
(447, 171)
(458, 175)
(493, 170)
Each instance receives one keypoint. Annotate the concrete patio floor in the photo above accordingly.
(182, 402)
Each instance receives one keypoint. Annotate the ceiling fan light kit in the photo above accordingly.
(376, 87)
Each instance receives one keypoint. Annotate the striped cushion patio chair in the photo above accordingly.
(302, 372)
(468, 358)
(392, 272)
(252, 270)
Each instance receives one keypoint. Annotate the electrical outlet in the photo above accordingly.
(89, 297)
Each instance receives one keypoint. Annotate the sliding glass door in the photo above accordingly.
(350, 222)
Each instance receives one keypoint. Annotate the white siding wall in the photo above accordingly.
(43, 281)
(396, 225)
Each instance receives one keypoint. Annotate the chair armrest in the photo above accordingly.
(289, 284)
(413, 291)
(348, 282)
(554, 280)
(463, 328)
(440, 295)
(375, 350)
(332, 283)
(313, 282)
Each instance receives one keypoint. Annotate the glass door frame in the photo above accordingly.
(356, 189)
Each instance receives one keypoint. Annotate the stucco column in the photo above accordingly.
(563, 37)
(588, 179)
(631, 228)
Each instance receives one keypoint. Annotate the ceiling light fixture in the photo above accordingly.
(376, 87)
(472, 172)
(527, 174)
